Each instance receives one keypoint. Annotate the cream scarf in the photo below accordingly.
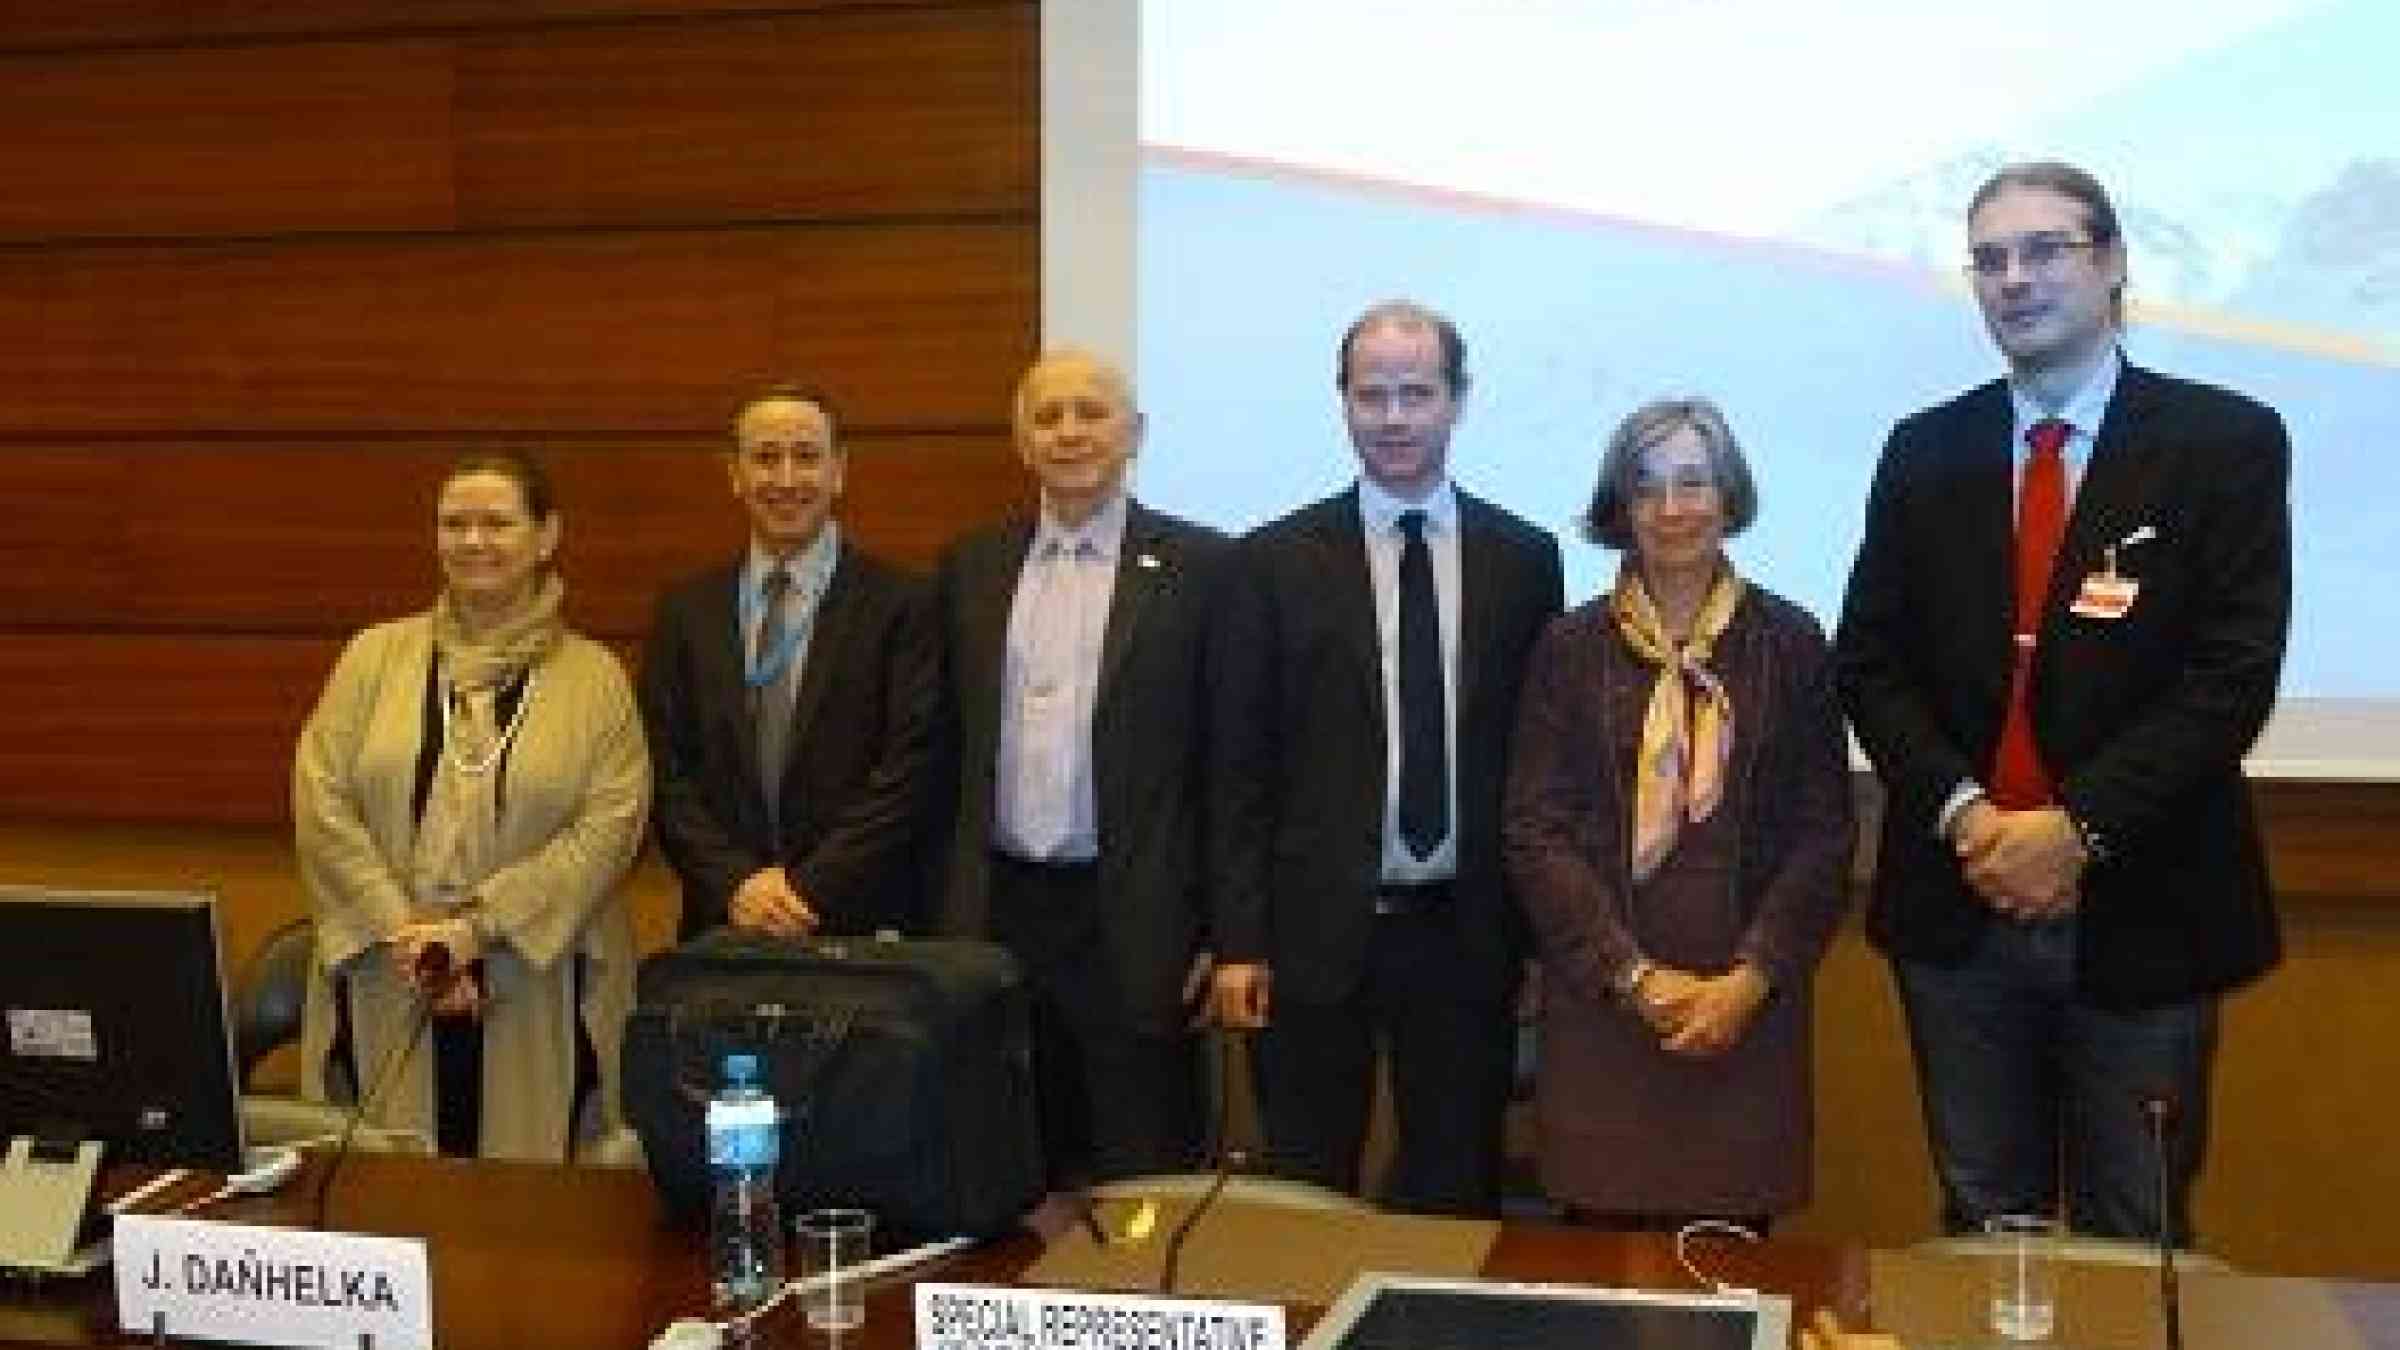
(455, 838)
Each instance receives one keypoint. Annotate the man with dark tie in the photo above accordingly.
(2062, 632)
(1374, 650)
(791, 699)
(1076, 678)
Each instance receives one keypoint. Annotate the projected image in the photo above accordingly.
(1764, 203)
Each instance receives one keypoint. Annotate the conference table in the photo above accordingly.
(527, 1255)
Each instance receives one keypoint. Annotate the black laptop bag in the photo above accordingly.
(904, 1070)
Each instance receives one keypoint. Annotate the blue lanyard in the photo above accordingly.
(752, 606)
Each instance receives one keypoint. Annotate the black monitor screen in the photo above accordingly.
(1388, 1312)
(115, 1025)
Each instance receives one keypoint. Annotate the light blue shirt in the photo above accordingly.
(1379, 514)
(2081, 412)
(1043, 806)
(812, 572)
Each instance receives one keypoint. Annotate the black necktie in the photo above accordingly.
(1424, 749)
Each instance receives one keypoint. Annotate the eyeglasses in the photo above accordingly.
(1695, 484)
(2037, 253)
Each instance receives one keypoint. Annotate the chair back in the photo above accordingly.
(269, 994)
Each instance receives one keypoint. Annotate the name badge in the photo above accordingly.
(2105, 597)
(1004, 1317)
(271, 1286)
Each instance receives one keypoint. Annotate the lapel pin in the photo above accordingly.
(1148, 560)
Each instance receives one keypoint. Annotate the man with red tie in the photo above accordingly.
(2062, 632)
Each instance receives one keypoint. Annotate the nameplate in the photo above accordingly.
(1004, 1317)
(272, 1286)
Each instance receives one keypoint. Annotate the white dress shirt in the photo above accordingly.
(1379, 513)
(1043, 807)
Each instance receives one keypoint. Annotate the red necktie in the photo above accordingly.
(2019, 781)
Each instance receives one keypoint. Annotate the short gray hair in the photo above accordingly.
(1608, 521)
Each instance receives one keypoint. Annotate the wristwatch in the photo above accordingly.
(1629, 980)
(2095, 844)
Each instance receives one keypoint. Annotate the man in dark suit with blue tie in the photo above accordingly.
(1075, 685)
(1374, 650)
(2062, 632)
(790, 696)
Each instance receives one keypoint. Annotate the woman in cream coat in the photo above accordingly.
(473, 780)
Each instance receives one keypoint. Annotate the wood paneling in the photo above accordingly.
(43, 25)
(826, 116)
(227, 142)
(838, 115)
(910, 325)
(189, 728)
(319, 538)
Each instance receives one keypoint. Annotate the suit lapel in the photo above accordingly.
(1479, 564)
(1341, 537)
(2106, 498)
(724, 682)
(1139, 571)
(829, 634)
(993, 587)
(1986, 526)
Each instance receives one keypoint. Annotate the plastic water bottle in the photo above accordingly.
(745, 1236)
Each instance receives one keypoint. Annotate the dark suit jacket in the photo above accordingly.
(862, 741)
(1299, 773)
(2142, 720)
(1148, 720)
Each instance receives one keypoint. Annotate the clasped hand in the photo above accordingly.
(458, 993)
(1697, 1015)
(2025, 864)
(767, 902)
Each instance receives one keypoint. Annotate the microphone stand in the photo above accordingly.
(2159, 1109)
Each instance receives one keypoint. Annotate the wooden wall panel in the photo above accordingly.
(851, 114)
(241, 141)
(313, 538)
(186, 728)
(915, 326)
(793, 118)
(49, 25)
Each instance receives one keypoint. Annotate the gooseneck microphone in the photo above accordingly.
(2160, 1110)
(1229, 1160)
(433, 972)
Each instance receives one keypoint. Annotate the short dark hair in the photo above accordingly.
(518, 467)
(1406, 314)
(1608, 521)
(2064, 180)
(788, 391)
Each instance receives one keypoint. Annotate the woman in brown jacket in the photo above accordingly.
(1678, 828)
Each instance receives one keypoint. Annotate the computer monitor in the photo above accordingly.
(1407, 1312)
(114, 1039)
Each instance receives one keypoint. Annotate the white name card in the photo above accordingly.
(272, 1286)
(1003, 1317)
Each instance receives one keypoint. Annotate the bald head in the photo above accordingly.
(1076, 429)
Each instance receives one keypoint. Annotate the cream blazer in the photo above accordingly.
(576, 798)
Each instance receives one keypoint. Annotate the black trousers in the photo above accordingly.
(1450, 1057)
(1114, 1101)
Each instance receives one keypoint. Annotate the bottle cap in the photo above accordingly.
(740, 1070)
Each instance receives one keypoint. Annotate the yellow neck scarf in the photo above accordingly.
(1687, 731)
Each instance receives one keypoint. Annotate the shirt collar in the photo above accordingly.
(812, 567)
(1380, 511)
(2083, 409)
(1103, 530)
